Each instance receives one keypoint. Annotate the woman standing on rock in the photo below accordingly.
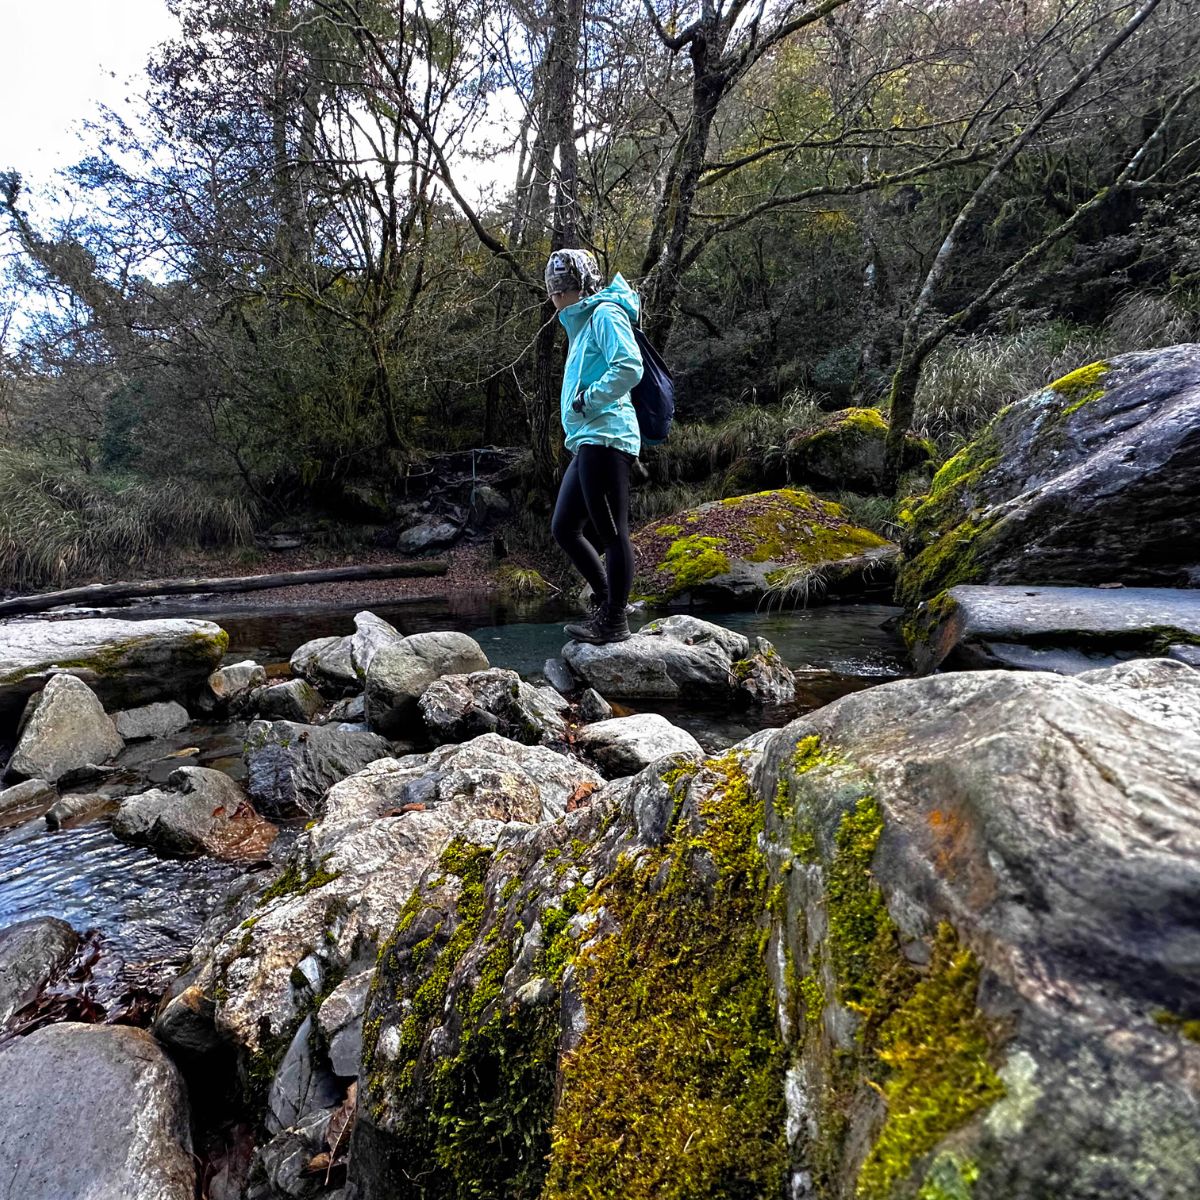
(601, 427)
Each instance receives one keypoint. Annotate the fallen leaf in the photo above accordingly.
(580, 794)
(186, 752)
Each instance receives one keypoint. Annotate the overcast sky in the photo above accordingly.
(58, 60)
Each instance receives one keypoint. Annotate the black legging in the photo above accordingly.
(592, 514)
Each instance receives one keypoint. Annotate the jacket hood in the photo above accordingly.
(578, 315)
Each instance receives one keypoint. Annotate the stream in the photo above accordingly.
(146, 911)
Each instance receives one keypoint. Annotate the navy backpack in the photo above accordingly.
(653, 395)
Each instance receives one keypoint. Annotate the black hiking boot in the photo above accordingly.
(604, 627)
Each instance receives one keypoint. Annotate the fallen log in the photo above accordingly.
(96, 592)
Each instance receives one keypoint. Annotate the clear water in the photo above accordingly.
(148, 910)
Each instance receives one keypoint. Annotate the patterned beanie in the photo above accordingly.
(573, 271)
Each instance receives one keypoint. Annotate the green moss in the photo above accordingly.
(1189, 1029)
(558, 947)
(515, 581)
(937, 1048)
(692, 560)
(671, 531)
(863, 948)
(675, 1089)
(1081, 386)
(949, 561)
(479, 1117)
(297, 880)
(949, 1178)
(812, 993)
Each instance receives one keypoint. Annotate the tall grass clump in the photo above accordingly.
(1146, 320)
(701, 450)
(967, 382)
(59, 524)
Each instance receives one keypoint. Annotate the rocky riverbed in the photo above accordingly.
(489, 916)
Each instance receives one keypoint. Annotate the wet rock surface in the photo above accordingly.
(199, 812)
(31, 954)
(290, 766)
(68, 729)
(94, 1112)
(1091, 480)
(295, 700)
(1066, 630)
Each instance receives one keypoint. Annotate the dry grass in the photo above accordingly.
(58, 524)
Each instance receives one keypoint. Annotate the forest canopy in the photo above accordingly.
(286, 275)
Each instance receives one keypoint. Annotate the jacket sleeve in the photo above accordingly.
(614, 336)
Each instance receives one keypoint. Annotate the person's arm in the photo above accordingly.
(614, 336)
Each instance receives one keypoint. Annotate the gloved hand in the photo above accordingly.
(577, 403)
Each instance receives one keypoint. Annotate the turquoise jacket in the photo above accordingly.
(604, 364)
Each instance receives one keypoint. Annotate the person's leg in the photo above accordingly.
(604, 479)
(566, 527)
(604, 483)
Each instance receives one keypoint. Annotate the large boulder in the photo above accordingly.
(31, 954)
(456, 708)
(683, 656)
(848, 450)
(601, 976)
(291, 766)
(1066, 630)
(68, 729)
(199, 812)
(738, 551)
(986, 949)
(93, 1112)
(626, 745)
(1091, 480)
(327, 664)
(124, 662)
(399, 674)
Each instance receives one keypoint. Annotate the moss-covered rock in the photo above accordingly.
(736, 551)
(967, 986)
(848, 450)
(586, 1012)
(1091, 480)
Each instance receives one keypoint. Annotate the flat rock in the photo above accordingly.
(625, 745)
(428, 535)
(68, 729)
(559, 675)
(1091, 480)
(151, 720)
(200, 812)
(290, 766)
(126, 663)
(93, 1112)
(31, 954)
(28, 795)
(327, 664)
(679, 656)
(1065, 630)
